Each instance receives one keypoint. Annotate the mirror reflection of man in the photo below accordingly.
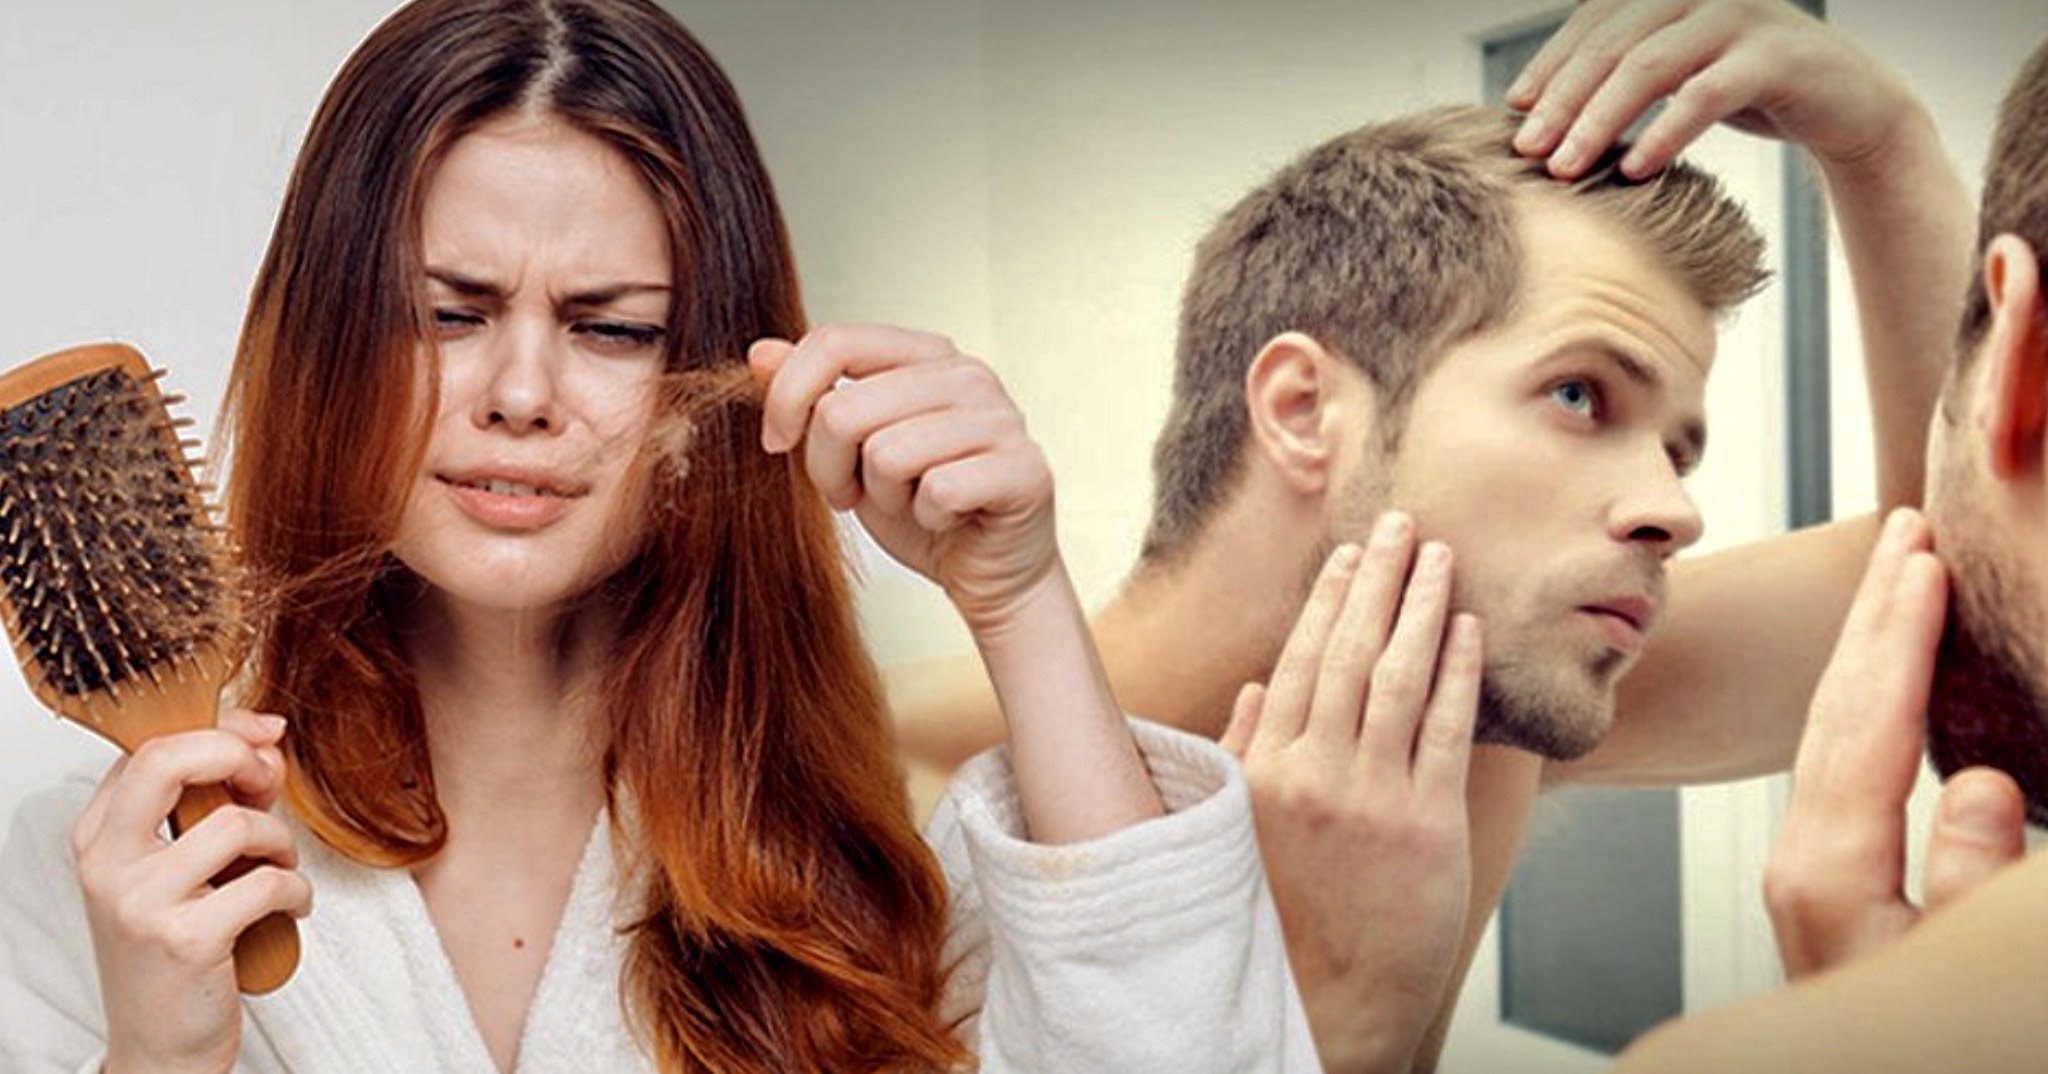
(1504, 332)
(1879, 983)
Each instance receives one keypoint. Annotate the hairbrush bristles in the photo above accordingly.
(107, 556)
(111, 578)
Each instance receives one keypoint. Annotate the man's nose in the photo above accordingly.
(1656, 511)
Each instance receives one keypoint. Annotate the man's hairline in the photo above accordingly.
(1518, 193)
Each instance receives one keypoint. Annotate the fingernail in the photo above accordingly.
(771, 441)
(1975, 810)
(1899, 524)
(1534, 135)
(1568, 156)
(1634, 164)
(1393, 526)
(1346, 556)
(1436, 555)
(1520, 88)
(273, 726)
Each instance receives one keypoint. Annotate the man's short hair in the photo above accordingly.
(2015, 190)
(1388, 244)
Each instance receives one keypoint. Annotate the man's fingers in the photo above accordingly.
(1840, 693)
(1588, 63)
(1401, 682)
(1542, 67)
(1294, 675)
(1657, 64)
(1443, 748)
(1359, 635)
(1879, 748)
(1244, 720)
(1979, 829)
(1844, 837)
(1711, 95)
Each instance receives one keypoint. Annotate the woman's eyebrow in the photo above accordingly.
(472, 287)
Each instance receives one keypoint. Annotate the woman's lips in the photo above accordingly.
(508, 512)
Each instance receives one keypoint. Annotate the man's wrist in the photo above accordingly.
(1888, 159)
(1358, 1049)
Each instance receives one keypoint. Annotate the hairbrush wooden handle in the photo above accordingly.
(266, 952)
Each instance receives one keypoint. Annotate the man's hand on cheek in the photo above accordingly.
(1836, 883)
(1356, 753)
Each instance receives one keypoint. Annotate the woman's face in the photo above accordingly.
(548, 282)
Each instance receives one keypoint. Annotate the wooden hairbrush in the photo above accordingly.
(112, 577)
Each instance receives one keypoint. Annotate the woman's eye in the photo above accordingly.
(617, 335)
(450, 320)
(1577, 396)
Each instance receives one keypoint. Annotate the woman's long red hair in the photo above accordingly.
(791, 917)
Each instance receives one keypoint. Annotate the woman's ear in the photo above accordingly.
(2015, 359)
(1295, 394)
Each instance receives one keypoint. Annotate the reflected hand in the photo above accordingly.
(1835, 885)
(924, 446)
(1357, 754)
(1759, 65)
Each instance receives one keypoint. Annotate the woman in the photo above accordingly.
(580, 750)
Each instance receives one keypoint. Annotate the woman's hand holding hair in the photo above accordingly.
(924, 446)
(164, 938)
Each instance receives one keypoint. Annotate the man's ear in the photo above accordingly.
(1293, 392)
(2015, 358)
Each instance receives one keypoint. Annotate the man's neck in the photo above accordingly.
(1184, 635)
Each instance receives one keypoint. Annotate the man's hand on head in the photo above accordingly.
(1835, 887)
(1357, 753)
(1758, 65)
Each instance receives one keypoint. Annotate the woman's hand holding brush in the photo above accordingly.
(163, 936)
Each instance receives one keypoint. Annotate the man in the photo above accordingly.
(1877, 987)
(1417, 315)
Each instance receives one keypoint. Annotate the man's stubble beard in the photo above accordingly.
(1517, 706)
(1986, 704)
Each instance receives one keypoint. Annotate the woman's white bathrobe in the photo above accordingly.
(1155, 948)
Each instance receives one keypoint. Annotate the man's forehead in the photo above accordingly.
(1584, 272)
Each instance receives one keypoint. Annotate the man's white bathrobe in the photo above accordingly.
(1155, 948)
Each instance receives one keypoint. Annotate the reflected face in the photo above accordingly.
(549, 285)
(1987, 705)
(1548, 453)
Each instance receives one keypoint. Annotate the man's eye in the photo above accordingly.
(1577, 396)
(449, 319)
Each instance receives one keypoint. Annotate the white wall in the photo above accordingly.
(146, 148)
